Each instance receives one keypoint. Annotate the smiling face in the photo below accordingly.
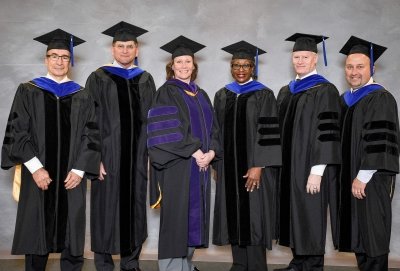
(58, 66)
(304, 62)
(357, 69)
(124, 52)
(183, 67)
(242, 70)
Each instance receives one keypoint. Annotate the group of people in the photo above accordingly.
(280, 162)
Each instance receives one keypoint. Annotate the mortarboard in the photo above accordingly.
(245, 50)
(359, 46)
(124, 31)
(307, 42)
(59, 39)
(182, 46)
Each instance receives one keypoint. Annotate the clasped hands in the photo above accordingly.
(203, 159)
(43, 180)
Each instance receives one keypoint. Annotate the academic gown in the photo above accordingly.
(62, 133)
(370, 137)
(249, 133)
(310, 132)
(118, 203)
(179, 123)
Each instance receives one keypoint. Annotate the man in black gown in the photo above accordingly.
(370, 155)
(123, 93)
(52, 131)
(309, 120)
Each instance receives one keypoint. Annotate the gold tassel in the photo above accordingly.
(17, 183)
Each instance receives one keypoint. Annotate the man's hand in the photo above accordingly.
(313, 184)
(253, 176)
(42, 178)
(102, 172)
(358, 189)
(72, 180)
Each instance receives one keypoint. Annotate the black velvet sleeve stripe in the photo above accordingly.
(382, 124)
(328, 115)
(269, 142)
(269, 131)
(328, 126)
(329, 137)
(94, 146)
(8, 140)
(382, 148)
(380, 136)
(92, 125)
(268, 120)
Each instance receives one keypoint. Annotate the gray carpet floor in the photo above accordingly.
(53, 265)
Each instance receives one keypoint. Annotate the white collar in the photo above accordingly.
(251, 79)
(307, 75)
(65, 79)
(116, 64)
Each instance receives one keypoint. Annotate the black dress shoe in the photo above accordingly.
(285, 269)
(195, 269)
(133, 269)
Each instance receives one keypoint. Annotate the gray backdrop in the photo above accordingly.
(265, 23)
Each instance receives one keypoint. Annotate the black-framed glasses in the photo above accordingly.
(55, 57)
(245, 67)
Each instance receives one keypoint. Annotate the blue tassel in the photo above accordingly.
(71, 49)
(136, 61)
(324, 49)
(371, 58)
(256, 69)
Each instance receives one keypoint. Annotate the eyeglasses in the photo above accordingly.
(55, 57)
(245, 67)
(122, 47)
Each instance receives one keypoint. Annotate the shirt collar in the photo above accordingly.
(371, 80)
(307, 75)
(116, 64)
(65, 79)
(251, 79)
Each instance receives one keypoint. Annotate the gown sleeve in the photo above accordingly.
(267, 146)
(168, 129)
(88, 158)
(380, 134)
(326, 145)
(18, 145)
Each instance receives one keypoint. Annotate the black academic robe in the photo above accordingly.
(370, 137)
(310, 134)
(249, 132)
(118, 203)
(180, 123)
(62, 133)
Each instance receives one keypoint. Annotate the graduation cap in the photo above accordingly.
(182, 46)
(60, 39)
(245, 50)
(124, 31)
(308, 42)
(359, 46)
